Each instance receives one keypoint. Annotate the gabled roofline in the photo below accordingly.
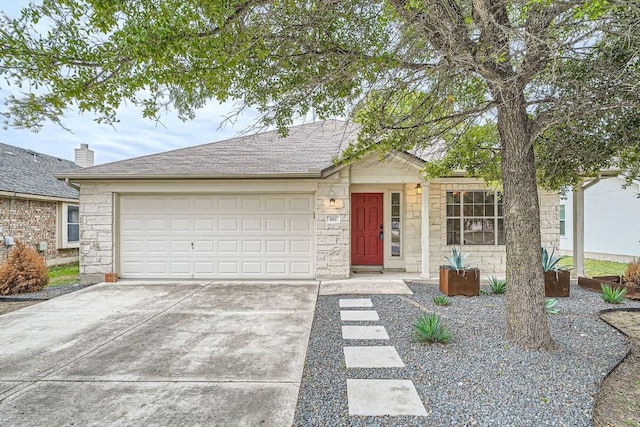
(415, 161)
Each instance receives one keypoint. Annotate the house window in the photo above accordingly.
(70, 226)
(395, 225)
(562, 221)
(474, 218)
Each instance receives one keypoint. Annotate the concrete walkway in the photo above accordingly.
(370, 284)
(374, 397)
(161, 354)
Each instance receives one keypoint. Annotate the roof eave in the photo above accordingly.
(42, 197)
(115, 176)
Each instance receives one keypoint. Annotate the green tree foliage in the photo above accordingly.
(548, 89)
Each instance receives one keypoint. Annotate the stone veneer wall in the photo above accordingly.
(33, 221)
(491, 259)
(333, 241)
(96, 232)
(412, 229)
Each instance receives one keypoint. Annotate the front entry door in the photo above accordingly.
(366, 229)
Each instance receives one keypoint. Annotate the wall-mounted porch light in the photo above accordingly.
(419, 189)
(332, 202)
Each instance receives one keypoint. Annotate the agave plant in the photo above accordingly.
(550, 261)
(456, 260)
(550, 306)
(613, 295)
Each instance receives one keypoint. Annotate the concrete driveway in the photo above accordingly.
(140, 353)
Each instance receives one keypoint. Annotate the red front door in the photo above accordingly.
(366, 229)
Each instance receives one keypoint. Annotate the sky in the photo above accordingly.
(134, 135)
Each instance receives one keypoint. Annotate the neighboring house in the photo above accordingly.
(262, 206)
(37, 208)
(611, 221)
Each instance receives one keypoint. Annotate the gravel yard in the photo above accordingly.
(477, 379)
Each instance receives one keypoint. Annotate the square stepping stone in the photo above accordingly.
(372, 357)
(364, 333)
(355, 302)
(359, 315)
(383, 397)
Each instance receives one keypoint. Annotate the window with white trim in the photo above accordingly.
(474, 218)
(70, 226)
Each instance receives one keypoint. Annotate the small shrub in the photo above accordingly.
(429, 329)
(632, 274)
(498, 286)
(24, 271)
(550, 306)
(613, 295)
(441, 300)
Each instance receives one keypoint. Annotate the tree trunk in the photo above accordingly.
(527, 323)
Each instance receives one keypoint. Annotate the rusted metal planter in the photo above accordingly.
(557, 284)
(594, 284)
(459, 282)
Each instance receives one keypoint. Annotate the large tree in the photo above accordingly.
(541, 76)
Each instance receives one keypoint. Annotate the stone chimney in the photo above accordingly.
(84, 156)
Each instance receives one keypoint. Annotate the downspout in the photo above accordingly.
(578, 225)
(72, 185)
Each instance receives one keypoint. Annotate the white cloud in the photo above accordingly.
(133, 136)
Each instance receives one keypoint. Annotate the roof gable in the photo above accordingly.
(28, 172)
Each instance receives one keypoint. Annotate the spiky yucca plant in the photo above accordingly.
(24, 271)
(498, 286)
(429, 329)
(441, 300)
(613, 294)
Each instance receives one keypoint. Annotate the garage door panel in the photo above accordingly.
(227, 204)
(228, 224)
(300, 225)
(226, 247)
(228, 267)
(276, 224)
(217, 236)
(251, 204)
(252, 246)
(300, 204)
(251, 224)
(276, 246)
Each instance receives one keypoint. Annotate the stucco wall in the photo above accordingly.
(96, 232)
(491, 259)
(333, 248)
(33, 221)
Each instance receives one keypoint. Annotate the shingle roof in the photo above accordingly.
(27, 172)
(306, 151)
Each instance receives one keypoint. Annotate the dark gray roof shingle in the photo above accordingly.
(27, 172)
(307, 149)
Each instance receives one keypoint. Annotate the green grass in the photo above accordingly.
(68, 274)
(594, 267)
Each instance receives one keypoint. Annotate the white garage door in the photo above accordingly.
(216, 236)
